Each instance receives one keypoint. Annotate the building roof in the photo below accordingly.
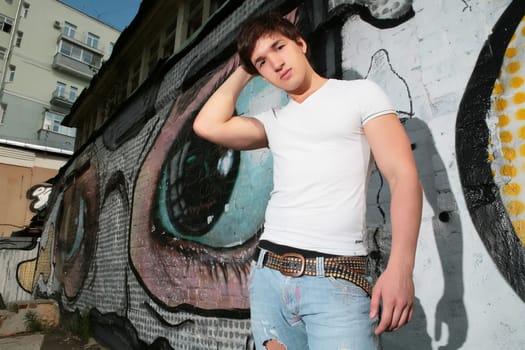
(88, 15)
(125, 37)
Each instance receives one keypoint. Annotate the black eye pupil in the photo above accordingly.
(201, 176)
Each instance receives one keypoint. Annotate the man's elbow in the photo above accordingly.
(406, 178)
(199, 127)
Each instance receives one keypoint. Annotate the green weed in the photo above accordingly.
(33, 322)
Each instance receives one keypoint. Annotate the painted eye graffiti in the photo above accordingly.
(79, 231)
(198, 209)
(195, 187)
(76, 230)
(489, 138)
(206, 193)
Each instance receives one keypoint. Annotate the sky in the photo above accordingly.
(116, 13)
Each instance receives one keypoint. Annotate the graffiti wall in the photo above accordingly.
(17, 256)
(450, 83)
(152, 228)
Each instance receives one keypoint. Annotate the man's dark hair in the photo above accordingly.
(255, 28)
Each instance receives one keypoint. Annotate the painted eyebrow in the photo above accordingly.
(274, 45)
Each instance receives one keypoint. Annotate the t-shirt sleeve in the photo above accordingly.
(265, 118)
(374, 102)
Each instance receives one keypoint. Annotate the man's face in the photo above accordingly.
(281, 61)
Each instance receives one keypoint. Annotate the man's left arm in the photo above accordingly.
(394, 289)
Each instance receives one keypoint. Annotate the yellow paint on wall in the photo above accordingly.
(519, 228)
(508, 170)
(498, 89)
(516, 82)
(515, 207)
(510, 52)
(43, 267)
(512, 189)
(519, 98)
(501, 104)
(522, 150)
(521, 132)
(513, 67)
(25, 274)
(507, 152)
(505, 136)
(503, 120)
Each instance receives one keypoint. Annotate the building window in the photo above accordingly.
(92, 40)
(52, 122)
(70, 29)
(87, 57)
(71, 50)
(169, 39)
(11, 73)
(169, 45)
(10, 2)
(79, 53)
(215, 4)
(73, 91)
(111, 46)
(2, 53)
(122, 93)
(60, 90)
(172, 27)
(153, 56)
(25, 10)
(134, 77)
(6, 24)
(3, 108)
(19, 36)
(195, 18)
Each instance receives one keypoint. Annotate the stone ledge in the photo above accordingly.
(12, 321)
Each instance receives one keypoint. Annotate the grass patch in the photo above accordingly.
(33, 322)
(78, 324)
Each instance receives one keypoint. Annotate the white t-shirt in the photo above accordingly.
(321, 167)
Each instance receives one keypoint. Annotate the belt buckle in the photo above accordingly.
(290, 272)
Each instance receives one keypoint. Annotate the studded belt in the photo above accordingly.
(295, 265)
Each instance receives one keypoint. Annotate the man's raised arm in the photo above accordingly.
(216, 123)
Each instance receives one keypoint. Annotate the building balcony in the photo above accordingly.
(81, 43)
(54, 134)
(58, 142)
(73, 66)
(61, 99)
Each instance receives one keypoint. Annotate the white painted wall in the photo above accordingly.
(9, 260)
(435, 53)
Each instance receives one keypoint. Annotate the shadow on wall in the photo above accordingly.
(451, 323)
(450, 315)
(450, 312)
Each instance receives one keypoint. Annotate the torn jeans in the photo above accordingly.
(309, 312)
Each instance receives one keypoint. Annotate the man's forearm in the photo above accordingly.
(405, 211)
(220, 106)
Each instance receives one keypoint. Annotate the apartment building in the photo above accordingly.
(142, 45)
(49, 52)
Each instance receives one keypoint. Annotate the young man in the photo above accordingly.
(308, 286)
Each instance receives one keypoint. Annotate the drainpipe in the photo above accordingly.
(7, 58)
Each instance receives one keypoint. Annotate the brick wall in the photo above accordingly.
(169, 275)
